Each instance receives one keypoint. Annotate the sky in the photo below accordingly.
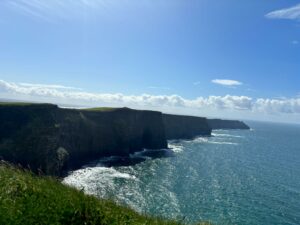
(228, 59)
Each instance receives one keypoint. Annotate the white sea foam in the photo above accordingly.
(91, 178)
(201, 140)
(225, 135)
(176, 147)
(222, 143)
(215, 139)
(108, 172)
(124, 187)
(195, 140)
(140, 154)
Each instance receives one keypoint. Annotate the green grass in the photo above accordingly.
(100, 109)
(16, 103)
(25, 104)
(26, 198)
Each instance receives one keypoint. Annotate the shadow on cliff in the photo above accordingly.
(136, 158)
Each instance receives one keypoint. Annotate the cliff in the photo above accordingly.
(52, 139)
(185, 127)
(216, 124)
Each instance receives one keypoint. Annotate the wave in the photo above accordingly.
(176, 147)
(153, 153)
(225, 135)
(222, 143)
(215, 139)
(95, 179)
(199, 139)
(125, 188)
(99, 170)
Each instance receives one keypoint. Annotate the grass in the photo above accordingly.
(26, 198)
(16, 103)
(100, 109)
(25, 104)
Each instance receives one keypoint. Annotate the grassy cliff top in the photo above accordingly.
(101, 109)
(25, 104)
(29, 199)
(16, 103)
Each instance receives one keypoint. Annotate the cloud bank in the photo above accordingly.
(292, 13)
(62, 94)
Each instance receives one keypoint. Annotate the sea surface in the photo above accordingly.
(234, 177)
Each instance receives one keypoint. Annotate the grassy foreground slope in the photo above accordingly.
(26, 198)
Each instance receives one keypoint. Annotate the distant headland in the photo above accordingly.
(50, 140)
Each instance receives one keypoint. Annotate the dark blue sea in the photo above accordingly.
(234, 177)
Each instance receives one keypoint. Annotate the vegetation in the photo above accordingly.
(16, 103)
(26, 198)
(100, 109)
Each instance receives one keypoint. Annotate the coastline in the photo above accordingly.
(54, 140)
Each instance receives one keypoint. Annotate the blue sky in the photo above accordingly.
(240, 57)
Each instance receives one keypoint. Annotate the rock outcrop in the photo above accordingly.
(217, 124)
(185, 127)
(51, 139)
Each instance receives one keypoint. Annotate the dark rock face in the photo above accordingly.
(216, 124)
(185, 127)
(52, 139)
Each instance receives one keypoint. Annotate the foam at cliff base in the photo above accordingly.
(123, 186)
(225, 135)
(91, 178)
(176, 147)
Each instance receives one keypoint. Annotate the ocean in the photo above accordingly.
(234, 177)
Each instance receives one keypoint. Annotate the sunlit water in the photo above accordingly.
(234, 177)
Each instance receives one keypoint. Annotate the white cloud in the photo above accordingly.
(278, 105)
(51, 86)
(50, 10)
(292, 13)
(27, 10)
(222, 102)
(159, 88)
(218, 104)
(65, 93)
(227, 82)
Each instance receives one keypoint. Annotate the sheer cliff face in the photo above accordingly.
(49, 138)
(89, 135)
(185, 127)
(216, 124)
(52, 139)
